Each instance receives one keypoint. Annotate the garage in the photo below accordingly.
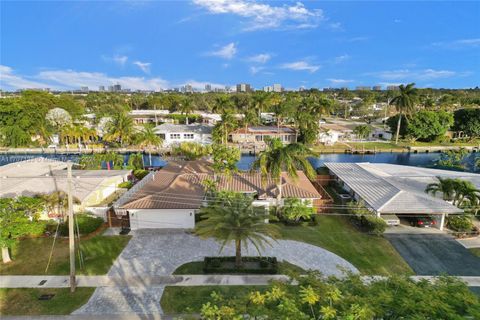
(162, 219)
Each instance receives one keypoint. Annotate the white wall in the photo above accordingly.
(198, 138)
(162, 219)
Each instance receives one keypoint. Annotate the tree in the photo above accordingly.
(191, 150)
(277, 158)
(468, 121)
(462, 193)
(57, 203)
(224, 127)
(148, 139)
(58, 118)
(232, 217)
(294, 210)
(453, 158)
(185, 106)
(119, 129)
(404, 103)
(18, 218)
(429, 125)
(135, 161)
(445, 186)
(362, 131)
(225, 159)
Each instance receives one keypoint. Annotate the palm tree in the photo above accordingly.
(120, 129)
(261, 101)
(232, 217)
(186, 107)
(444, 185)
(57, 202)
(277, 158)
(404, 103)
(466, 193)
(149, 139)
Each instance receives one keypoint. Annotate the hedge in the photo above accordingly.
(86, 224)
(125, 184)
(266, 265)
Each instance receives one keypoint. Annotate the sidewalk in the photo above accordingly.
(174, 280)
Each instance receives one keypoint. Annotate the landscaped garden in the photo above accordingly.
(26, 301)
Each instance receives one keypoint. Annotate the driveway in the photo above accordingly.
(435, 254)
(153, 252)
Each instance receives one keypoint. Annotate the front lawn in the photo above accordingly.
(25, 301)
(196, 267)
(475, 251)
(30, 256)
(370, 254)
(181, 300)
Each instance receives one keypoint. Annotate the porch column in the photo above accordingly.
(442, 221)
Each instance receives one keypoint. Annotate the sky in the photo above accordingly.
(150, 45)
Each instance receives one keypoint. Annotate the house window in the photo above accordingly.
(188, 136)
(174, 136)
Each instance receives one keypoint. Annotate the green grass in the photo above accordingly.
(30, 256)
(196, 267)
(370, 254)
(25, 301)
(475, 251)
(181, 300)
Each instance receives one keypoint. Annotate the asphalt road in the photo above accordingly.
(434, 254)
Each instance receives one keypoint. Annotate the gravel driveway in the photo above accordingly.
(153, 252)
(430, 254)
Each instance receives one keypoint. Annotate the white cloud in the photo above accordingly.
(144, 66)
(226, 52)
(342, 58)
(121, 60)
(411, 75)
(200, 85)
(11, 81)
(265, 16)
(255, 69)
(260, 58)
(300, 66)
(397, 20)
(458, 44)
(340, 81)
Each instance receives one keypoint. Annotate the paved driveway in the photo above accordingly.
(160, 252)
(435, 254)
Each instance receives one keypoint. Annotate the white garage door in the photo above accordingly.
(162, 219)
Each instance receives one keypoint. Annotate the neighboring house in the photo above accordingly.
(149, 116)
(173, 134)
(258, 135)
(210, 118)
(381, 133)
(171, 197)
(40, 176)
(330, 133)
(390, 189)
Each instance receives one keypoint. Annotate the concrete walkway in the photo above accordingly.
(470, 243)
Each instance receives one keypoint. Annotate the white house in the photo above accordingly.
(329, 133)
(173, 134)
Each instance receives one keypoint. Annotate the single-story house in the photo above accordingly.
(389, 189)
(330, 133)
(148, 116)
(171, 197)
(174, 134)
(258, 135)
(40, 176)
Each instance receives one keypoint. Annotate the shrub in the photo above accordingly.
(461, 223)
(365, 219)
(38, 229)
(125, 184)
(252, 265)
(86, 224)
(294, 211)
(139, 174)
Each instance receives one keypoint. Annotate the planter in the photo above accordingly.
(250, 265)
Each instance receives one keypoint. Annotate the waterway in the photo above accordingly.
(405, 158)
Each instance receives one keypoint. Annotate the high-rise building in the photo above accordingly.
(363, 88)
(208, 87)
(243, 87)
(377, 88)
(268, 88)
(188, 88)
(277, 87)
(84, 89)
(393, 88)
(117, 87)
(101, 88)
(227, 88)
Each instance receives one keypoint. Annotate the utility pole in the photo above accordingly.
(71, 236)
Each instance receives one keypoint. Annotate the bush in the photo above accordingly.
(365, 219)
(139, 174)
(125, 184)
(461, 223)
(296, 211)
(39, 228)
(86, 224)
(252, 265)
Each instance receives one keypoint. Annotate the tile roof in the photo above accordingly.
(390, 192)
(179, 186)
(182, 128)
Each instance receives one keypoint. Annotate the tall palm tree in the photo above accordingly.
(467, 193)
(404, 102)
(57, 202)
(261, 101)
(120, 129)
(277, 158)
(149, 139)
(186, 107)
(444, 185)
(223, 104)
(232, 217)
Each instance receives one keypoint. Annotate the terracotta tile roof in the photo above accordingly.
(179, 186)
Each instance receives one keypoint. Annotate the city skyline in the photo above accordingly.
(163, 45)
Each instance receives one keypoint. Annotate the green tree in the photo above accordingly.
(135, 161)
(404, 102)
(363, 131)
(17, 219)
(225, 159)
(445, 186)
(429, 125)
(294, 210)
(453, 158)
(278, 158)
(224, 127)
(468, 121)
(120, 129)
(191, 150)
(148, 139)
(57, 203)
(231, 217)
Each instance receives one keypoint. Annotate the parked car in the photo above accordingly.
(391, 220)
(422, 221)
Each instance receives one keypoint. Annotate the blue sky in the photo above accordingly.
(158, 44)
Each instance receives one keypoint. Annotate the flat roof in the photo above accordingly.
(392, 189)
(181, 128)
